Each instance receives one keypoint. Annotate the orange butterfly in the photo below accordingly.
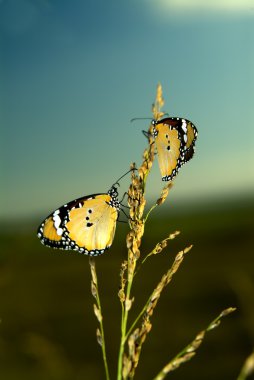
(86, 225)
(175, 143)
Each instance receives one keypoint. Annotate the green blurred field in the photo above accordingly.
(47, 329)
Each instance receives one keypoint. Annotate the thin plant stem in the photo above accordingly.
(98, 314)
(124, 327)
(137, 224)
(134, 237)
(162, 284)
(151, 209)
(138, 317)
(190, 350)
(248, 367)
(103, 344)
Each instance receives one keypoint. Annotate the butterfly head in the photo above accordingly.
(154, 129)
(113, 192)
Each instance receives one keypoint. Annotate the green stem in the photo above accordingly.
(103, 345)
(151, 209)
(125, 306)
(146, 257)
(248, 368)
(137, 318)
(95, 293)
(123, 331)
(192, 347)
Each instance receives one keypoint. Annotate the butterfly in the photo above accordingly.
(86, 225)
(175, 143)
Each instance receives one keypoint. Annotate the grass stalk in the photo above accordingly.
(98, 314)
(133, 336)
(123, 331)
(161, 285)
(136, 200)
(248, 368)
(190, 350)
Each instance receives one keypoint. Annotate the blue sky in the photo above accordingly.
(73, 74)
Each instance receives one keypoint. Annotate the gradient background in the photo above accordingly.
(72, 75)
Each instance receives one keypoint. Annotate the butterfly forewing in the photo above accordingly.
(168, 146)
(50, 232)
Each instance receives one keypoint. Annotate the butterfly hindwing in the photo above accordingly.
(92, 226)
(86, 225)
(190, 141)
(175, 140)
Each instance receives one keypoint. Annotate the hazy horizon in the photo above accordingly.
(74, 74)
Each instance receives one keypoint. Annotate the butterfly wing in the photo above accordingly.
(86, 225)
(191, 136)
(175, 139)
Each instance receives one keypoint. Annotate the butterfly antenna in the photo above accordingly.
(146, 118)
(141, 118)
(117, 182)
(131, 170)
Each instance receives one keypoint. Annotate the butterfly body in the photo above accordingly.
(175, 139)
(86, 225)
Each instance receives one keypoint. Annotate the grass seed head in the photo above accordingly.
(98, 336)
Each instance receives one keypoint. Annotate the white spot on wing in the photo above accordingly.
(184, 125)
(59, 231)
(57, 221)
